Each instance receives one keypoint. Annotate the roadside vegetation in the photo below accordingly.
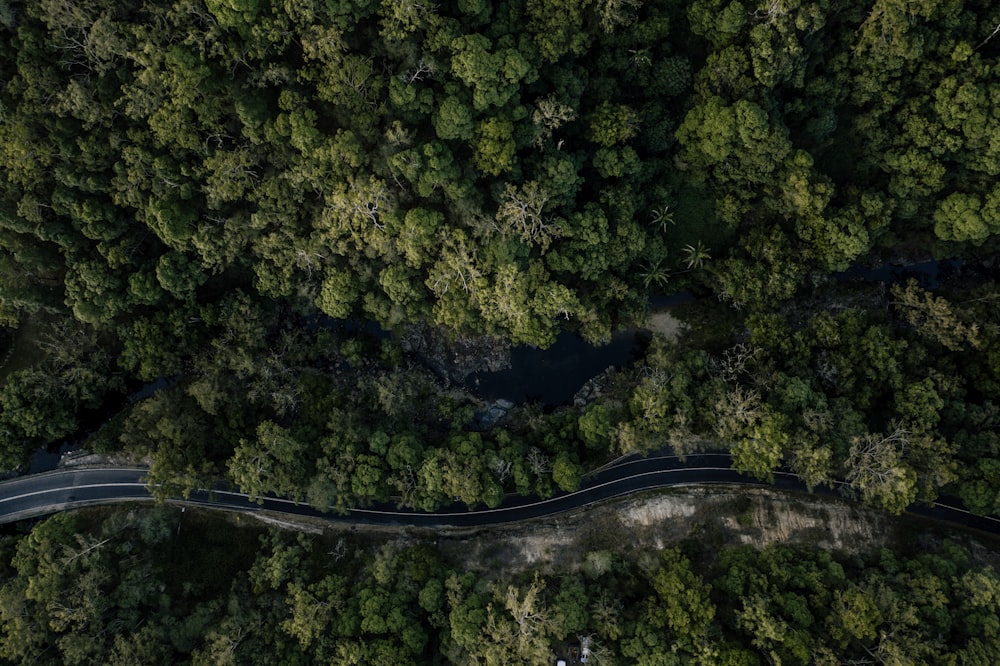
(211, 200)
(157, 586)
(264, 201)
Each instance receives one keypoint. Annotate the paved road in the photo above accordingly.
(50, 492)
(42, 494)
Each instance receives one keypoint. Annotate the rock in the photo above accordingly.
(489, 417)
(454, 359)
(593, 389)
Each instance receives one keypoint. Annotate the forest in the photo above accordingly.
(155, 586)
(226, 194)
(259, 204)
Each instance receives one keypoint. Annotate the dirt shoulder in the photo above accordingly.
(714, 517)
(709, 518)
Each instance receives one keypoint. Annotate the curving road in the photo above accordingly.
(50, 492)
(42, 494)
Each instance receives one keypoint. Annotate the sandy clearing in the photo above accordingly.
(667, 325)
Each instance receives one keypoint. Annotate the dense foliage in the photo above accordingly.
(900, 398)
(201, 189)
(161, 587)
(217, 192)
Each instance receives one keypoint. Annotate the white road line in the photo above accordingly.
(72, 488)
(966, 512)
(70, 471)
(551, 499)
(497, 510)
(482, 512)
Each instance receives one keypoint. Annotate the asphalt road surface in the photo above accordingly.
(41, 494)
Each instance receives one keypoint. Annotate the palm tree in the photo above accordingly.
(663, 217)
(695, 256)
(654, 273)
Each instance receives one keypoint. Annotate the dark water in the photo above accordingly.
(928, 274)
(661, 301)
(554, 375)
(46, 459)
(550, 377)
(152, 387)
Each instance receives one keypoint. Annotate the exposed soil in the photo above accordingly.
(700, 519)
(666, 324)
(712, 517)
(82, 458)
(705, 519)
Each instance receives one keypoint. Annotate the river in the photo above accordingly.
(550, 377)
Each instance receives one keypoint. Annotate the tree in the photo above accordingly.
(527, 304)
(158, 345)
(760, 449)
(876, 468)
(770, 632)
(455, 279)
(274, 462)
(518, 624)
(40, 403)
(566, 472)
(718, 136)
(655, 274)
(811, 461)
(617, 162)
(494, 76)
(94, 291)
(558, 27)
(312, 607)
(935, 317)
(695, 256)
(891, 32)
(179, 275)
(234, 13)
(430, 480)
(594, 425)
(549, 115)
(737, 410)
(176, 435)
(617, 13)
(718, 20)
(66, 577)
(400, 19)
(611, 124)
(854, 616)
(958, 218)
(417, 238)
(232, 175)
(522, 214)
(338, 293)
(682, 602)
(26, 630)
(453, 119)
(495, 149)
